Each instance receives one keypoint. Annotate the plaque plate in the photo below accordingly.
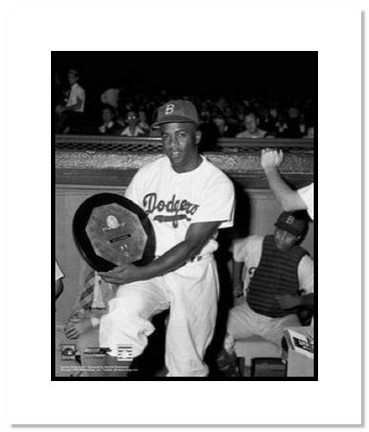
(109, 230)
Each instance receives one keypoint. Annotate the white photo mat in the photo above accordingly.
(32, 32)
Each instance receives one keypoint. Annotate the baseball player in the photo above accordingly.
(187, 200)
(277, 277)
(302, 199)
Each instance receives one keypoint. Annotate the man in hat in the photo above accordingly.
(187, 200)
(276, 278)
(290, 200)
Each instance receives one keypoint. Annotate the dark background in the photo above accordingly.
(264, 74)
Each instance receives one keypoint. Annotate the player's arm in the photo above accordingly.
(289, 301)
(197, 236)
(289, 199)
(306, 285)
(306, 282)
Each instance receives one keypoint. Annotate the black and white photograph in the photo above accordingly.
(207, 263)
(184, 229)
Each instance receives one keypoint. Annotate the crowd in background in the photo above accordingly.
(121, 110)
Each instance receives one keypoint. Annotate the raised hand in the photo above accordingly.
(271, 158)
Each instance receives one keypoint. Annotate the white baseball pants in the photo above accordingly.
(191, 293)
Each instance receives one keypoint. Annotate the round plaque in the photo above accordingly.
(109, 230)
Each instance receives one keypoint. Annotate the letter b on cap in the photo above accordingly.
(290, 219)
(169, 109)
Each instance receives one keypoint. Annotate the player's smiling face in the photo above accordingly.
(180, 145)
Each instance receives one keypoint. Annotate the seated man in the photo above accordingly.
(278, 279)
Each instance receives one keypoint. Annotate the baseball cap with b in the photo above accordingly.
(292, 223)
(177, 111)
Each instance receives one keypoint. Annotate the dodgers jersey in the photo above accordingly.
(173, 201)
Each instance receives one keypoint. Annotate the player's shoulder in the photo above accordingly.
(305, 257)
(154, 166)
(305, 253)
(214, 170)
(306, 263)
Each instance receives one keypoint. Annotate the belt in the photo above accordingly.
(199, 258)
(196, 258)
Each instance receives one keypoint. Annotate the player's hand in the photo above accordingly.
(288, 301)
(74, 329)
(271, 158)
(123, 274)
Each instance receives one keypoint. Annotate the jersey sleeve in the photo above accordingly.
(239, 249)
(306, 274)
(217, 204)
(248, 250)
(133, 189)
(307, 195)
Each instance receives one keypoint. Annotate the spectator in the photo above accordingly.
(204, 112)
(231, 122)
(72, 113)
(132, 129)
(221, 125)
(276, 278)
(293, 129)
(109, 126)
(252, 129)
(271, 123)
(310, 132)
(143, 121)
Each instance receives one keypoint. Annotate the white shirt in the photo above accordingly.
(77, 92)
(137, 131)
(173, 201)
(307, 195)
